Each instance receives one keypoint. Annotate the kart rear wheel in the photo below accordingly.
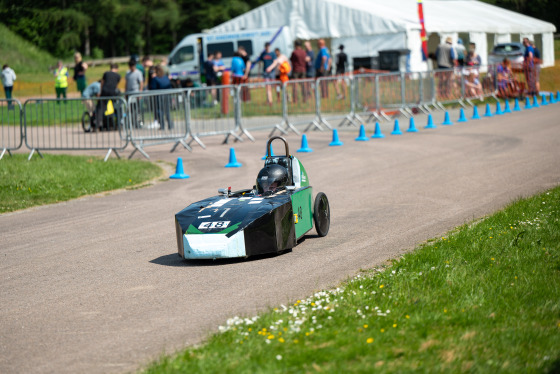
(322, 214)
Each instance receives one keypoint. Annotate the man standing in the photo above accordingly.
(109, 81)
(299, 65)
(323, 66)
(267, 58)
(341, 62)
(529, 67)
(8, 78)
(245, 92)
(446, 59)
(211, 77)
(133, 78)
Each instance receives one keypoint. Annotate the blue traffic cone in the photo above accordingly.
(335, 140)
(232, 160)
(266, 153)
(498, 109)
(507, 109)
(362, 137)
(543, 100)
(516, 107)
(535, 102)
(488, 111)
(430, 124)
(528, 103)
(462, 117)
(552, 99)
(179, 172)
(411, 126)
(396, 128)
(446, 119)
(475, 114)
(304, 145)
(377, 134)
(557, 96)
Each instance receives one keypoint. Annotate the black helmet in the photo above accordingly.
(271, 178)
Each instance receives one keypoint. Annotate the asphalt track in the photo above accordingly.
(94, 285)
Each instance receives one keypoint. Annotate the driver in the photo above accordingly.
(271, 179)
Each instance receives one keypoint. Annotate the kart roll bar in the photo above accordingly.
(269, 148)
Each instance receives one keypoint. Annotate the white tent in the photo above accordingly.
(368, 26)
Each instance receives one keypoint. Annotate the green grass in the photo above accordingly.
(21, 55)
(485, 298)
(57, 178)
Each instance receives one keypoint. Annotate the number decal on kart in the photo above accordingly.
(213, 225)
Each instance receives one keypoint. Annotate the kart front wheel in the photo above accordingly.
(322, 214)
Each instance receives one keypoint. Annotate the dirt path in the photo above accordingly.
(95, 286)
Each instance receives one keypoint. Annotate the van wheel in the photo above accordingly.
(322, 214)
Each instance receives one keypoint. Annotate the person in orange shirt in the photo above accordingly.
(284, 68)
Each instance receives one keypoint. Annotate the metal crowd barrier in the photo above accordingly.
(303, 104)
(366, 98)
(75, 124)
(335, 98)
(11, 126)
(214, 111)
(158, 117)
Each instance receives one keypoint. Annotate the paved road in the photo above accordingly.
(94, 285)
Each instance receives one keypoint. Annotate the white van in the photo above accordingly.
(188, 57)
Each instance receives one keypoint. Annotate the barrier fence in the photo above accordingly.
(75, 124)
(11, 126)
(233, 111)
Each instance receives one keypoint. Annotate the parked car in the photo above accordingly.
(513, 51)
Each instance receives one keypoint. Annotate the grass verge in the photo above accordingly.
(486, 298)
(55, 178)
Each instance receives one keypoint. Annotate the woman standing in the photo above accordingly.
(8, 78)
(61, 80)
(80, 72)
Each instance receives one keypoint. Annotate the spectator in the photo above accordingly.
(537, 56)
(446, 59)
(196, 96)
(133, 78)
(298, 60)
(8, 78)
(445, 55)
(284, 66)
(267, 57)
(529, 67)
(80, 68)
(92, 90)
(162, 103)
(504, 77)
(245, 92)
(461, 52)
(472, 84)
(473, 58)
(323, 66)
(110, 81)
(210, 71)
(219, 64)
(148, 66)
(61, 80)
(309, 60)
(237, 68)
(341, 62)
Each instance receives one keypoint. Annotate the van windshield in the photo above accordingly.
(184, 54)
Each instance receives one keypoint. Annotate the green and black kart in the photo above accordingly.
(269, 218)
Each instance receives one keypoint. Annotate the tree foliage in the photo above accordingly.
(123, 27)
(116, 27)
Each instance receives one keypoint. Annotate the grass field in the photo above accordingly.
(57, 178)
(484, 299)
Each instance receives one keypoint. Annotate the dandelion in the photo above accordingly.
(492, 258)
(382, 330)
(407, 316)
(444, 310)
(369, 340)
(281, 340)
(365, 326)
(381, 286)
(394, 325)
(270, 337)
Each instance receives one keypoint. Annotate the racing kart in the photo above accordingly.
(269, 218)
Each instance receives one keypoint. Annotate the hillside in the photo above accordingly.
(21, 55)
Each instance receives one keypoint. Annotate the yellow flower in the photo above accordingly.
(264, 329)
(407, 316)
(306, 334)
(281, 340)
(270, 337)
(369, 340)
(490, 237)
(312, 304)
(492, 258)
(382, 330)
(444, 310)
(285, 329)
(250, 329)
(296, 341)
(365, 326)
(516, 277)
(381, 286)
(394, 325)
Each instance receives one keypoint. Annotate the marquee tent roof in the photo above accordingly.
(308, 19)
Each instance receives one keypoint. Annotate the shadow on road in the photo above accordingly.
(173, 259)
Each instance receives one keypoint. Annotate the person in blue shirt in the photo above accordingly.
(237, 68)
(267, 57)
(323, 66)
